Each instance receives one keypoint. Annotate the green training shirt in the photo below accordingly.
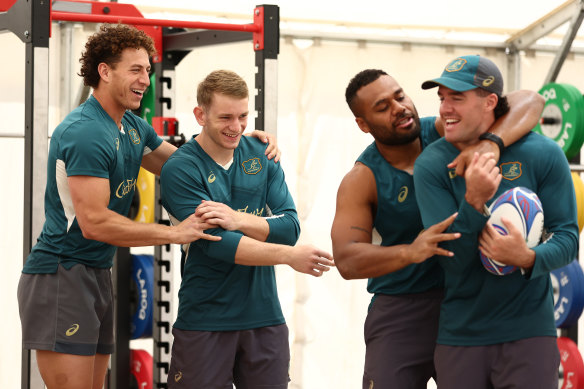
(88, 143)
(215, 293)
(398, 220)
(481, 308)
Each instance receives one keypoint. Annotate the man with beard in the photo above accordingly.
(377, 197)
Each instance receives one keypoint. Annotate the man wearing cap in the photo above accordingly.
(494, 331)
(377, 197)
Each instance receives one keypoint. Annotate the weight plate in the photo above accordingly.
(563, 117)
(145, 195)
(579, 191)
(141, 369)
(148, 101)
(568, 283)
(571, 365)
(142, 296)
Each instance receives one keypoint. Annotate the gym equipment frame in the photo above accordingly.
(31, 21)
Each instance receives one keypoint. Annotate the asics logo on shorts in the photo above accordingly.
(178, 376)
(73, 330)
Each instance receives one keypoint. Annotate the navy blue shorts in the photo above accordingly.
(250, 359)
(528, 363)
(400, 337)
(70, 311)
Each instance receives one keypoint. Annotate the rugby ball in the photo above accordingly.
(523, 208)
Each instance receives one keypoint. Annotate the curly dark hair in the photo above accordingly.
(361, 79)
(107, 45)
(502, 106)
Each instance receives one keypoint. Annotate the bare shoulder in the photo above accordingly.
(359, 183)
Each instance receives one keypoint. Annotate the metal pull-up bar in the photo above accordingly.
(92, 18)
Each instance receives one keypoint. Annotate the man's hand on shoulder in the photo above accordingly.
(272, 151)
(463, 160)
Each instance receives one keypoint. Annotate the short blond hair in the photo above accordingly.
(225, 82)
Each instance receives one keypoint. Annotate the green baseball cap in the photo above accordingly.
(469, 72)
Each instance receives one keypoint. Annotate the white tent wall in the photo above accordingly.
(320, 142)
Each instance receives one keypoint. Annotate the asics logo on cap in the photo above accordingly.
(488, 81)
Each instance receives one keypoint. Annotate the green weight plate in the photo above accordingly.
(148, 100)
(563, 117)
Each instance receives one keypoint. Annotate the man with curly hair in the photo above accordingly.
(65, 291)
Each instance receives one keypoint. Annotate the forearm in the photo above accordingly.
(365, 260)
(251, 252)
(252, 226)
(524, 113)
(117, 230)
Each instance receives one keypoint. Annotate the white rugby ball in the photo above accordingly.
(523, 208)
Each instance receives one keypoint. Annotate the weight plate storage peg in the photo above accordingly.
(568, 286)
(563, 117)
(571, 365)
(141, 369)
(142, 290)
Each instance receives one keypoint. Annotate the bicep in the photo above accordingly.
(353, 220)
(154, 160)
(89, 196)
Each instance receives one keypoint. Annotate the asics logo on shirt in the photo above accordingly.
(178, 376)
(125, 187)
(211, 178)
(403, 194)
(73, 330)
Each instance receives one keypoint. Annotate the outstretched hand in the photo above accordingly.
(426, 244)
(191, 229)
(310, 260)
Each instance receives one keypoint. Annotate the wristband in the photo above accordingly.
(493, 138)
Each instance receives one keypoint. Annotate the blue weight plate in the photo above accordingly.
(568, 294)
(143, 278)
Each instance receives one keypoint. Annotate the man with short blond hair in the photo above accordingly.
(230, 328)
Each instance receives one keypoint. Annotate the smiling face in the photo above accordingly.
(223, 122)
(385, 111)
(126, 81)
(465, 115)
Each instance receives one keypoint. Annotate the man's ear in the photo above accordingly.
(491, 101)
(104, 71)
(362, 124)
(199, 115)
